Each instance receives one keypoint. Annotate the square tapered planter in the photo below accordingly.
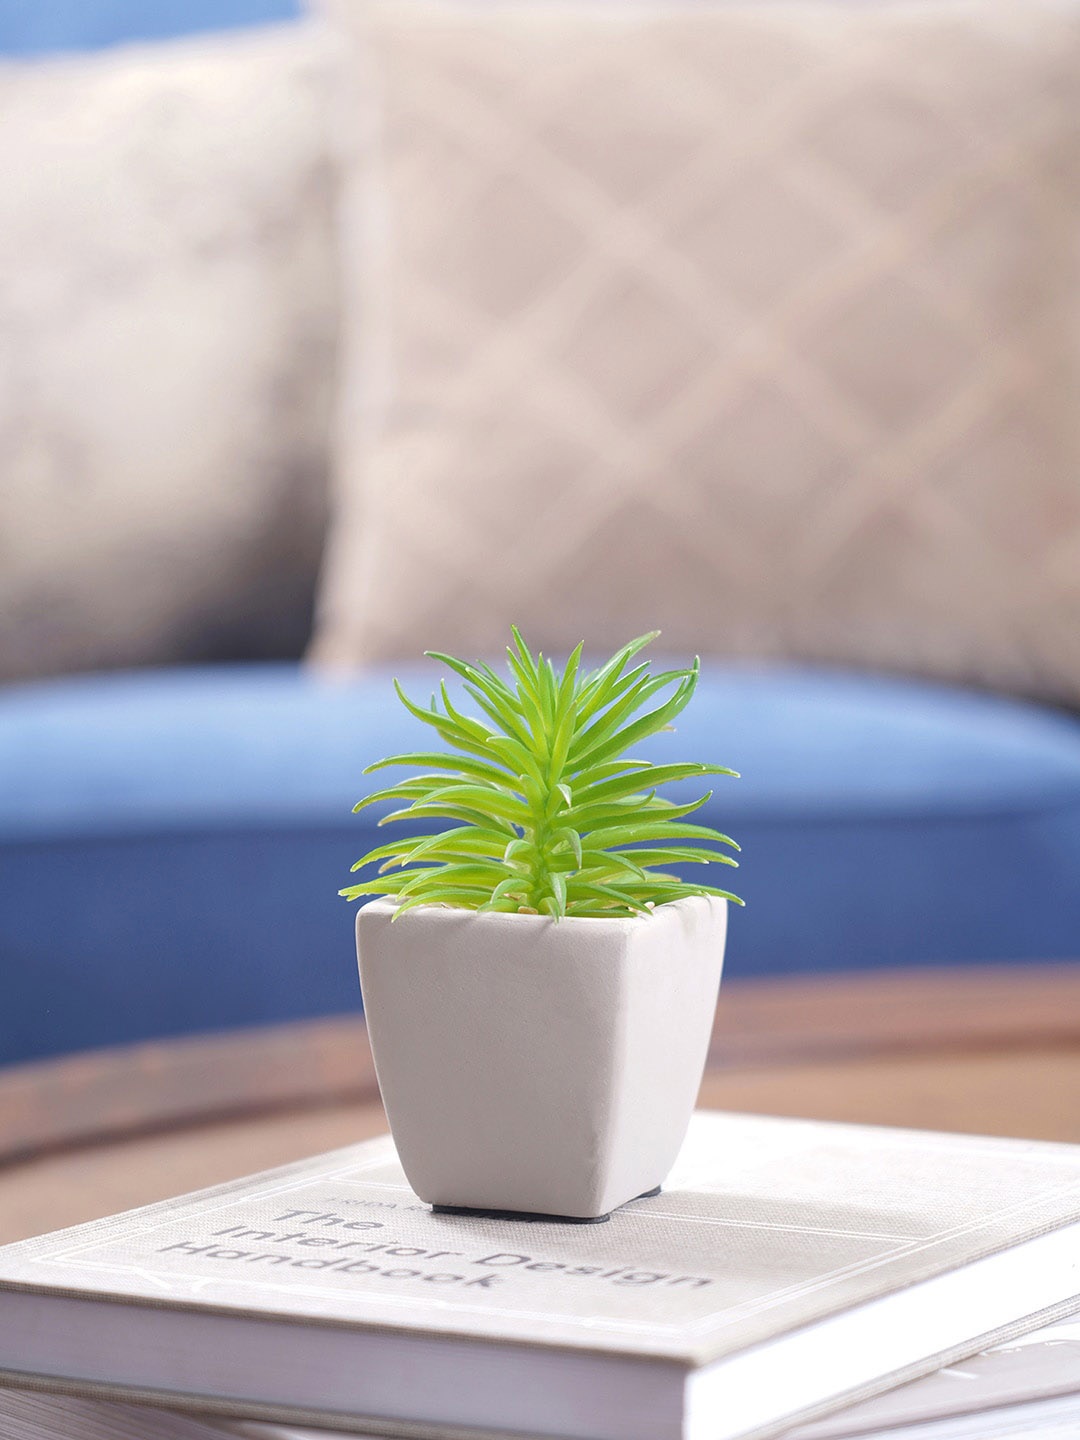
(529, 1064)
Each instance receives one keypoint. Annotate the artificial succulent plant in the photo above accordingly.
(550, 814)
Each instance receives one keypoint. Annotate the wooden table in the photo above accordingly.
(993, 1050)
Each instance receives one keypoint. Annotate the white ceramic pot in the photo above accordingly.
(528, 1064)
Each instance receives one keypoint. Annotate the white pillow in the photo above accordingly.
(167, 316)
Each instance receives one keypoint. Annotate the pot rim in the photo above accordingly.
(386, 905)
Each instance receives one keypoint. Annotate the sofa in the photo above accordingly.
(173, 840)
(173, 835)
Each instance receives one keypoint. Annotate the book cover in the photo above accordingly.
(764, 1227)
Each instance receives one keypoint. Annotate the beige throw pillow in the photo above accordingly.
(168, 319)
(756, 322)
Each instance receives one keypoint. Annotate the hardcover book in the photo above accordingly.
(788, 1267)
(1028, 1389)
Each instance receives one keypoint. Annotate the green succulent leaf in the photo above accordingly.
(620, 785)
(548, 813)
(462, 764)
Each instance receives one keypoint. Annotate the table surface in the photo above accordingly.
(987, 1050)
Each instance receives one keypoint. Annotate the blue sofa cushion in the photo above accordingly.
(173, 841)
(33, 27)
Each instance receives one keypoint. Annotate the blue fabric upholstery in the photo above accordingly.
(31, 27)
(171, 842)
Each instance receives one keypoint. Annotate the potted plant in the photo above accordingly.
(539, 989)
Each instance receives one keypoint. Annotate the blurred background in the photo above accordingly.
(759, 329)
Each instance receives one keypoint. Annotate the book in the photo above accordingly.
(787, 1268)
(1002, 1386)
(1029, 1388)
(26, 1418)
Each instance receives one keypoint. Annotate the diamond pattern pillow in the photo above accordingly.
(754, 322)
